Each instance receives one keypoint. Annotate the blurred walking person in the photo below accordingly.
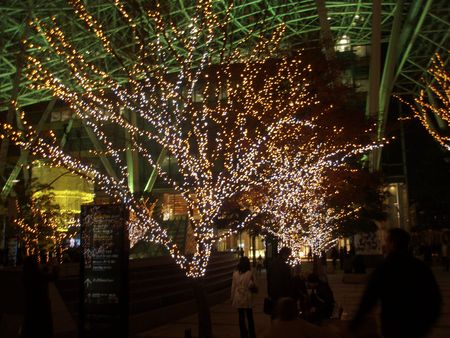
(409, 295)
(38, 312)
(279, 279)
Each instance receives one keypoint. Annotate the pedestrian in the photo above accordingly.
(359, 266)
(38, 315)
(407, 290)
(259, 265)
(241, 252)
(323, 261)
(279, 280)
(348, 261)
(428, 254)
(241, 297)
(445, 254)
(334, 257)
(342, 254)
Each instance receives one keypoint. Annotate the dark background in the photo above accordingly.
(427, 167)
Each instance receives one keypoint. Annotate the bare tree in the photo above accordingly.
(432, 105)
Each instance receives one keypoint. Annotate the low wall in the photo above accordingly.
(159, 292)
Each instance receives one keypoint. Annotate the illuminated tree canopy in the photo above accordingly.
(231, 113)
(214, 120)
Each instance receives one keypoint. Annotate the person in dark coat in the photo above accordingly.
(286, 324)
(409, 295)
(38, 315)
(299, 290)
(279, 280)
(321, 299)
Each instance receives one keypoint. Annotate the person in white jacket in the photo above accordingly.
(241, 297)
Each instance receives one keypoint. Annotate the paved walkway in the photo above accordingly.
(225, 320)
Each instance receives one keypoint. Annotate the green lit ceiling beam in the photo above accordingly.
(13, 29)
(372, 105)
(300, 17)
(399, 48)
(66, 132)
(433, 37)
(406, 76)
(441, 47)
(99, 148)
(431, 41)
(24, 154)
(154, 174)
(11, 113)
(437, 18)
(131, 155)
(392, 55)
(302, 24)
(413, 25)
(422, 69)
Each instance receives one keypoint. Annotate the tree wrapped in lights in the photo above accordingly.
(39, 221)
(319, 165)
(298, 193)
(433, 102)
(304, 182)
(301, 208)
(188, 90)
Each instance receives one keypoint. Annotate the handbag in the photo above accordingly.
(268, 306)
(253, 288)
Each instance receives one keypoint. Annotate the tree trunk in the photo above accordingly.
(254, 249)
(204, 314)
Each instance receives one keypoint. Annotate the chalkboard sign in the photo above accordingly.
(104, 271)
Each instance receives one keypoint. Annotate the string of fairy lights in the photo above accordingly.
(38, 223)
(299, 183)
(298, 204)
(230, 126)
(433, 102)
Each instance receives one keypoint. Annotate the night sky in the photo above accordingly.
(428, 168)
